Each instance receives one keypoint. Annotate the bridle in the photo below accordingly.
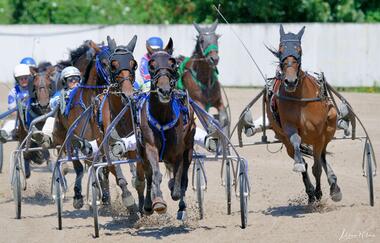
(290, 48)
(163, 69)
(211, 46)
(124, 58)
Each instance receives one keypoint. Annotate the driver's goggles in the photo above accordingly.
(73, 79)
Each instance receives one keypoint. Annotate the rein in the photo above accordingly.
(315, 99)
(177, 109)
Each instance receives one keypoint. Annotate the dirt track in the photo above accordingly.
(278, 210)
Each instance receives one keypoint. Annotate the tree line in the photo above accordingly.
(185, 11)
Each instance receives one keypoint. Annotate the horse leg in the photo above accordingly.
(140, 186)
(78, 198)
(126, 195)
(299, 165)
(335, 193)
(176, 189)
(181, 214)
(104, 183)
(148, 207)
(317, 171)
(159, 205)
(308, 185)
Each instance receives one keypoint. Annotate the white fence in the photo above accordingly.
(348, 53)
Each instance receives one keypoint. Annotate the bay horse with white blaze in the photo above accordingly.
(300, 112)
(167, 135)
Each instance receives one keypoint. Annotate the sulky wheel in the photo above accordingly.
(200, 184)
(16, 185)
(228, 184)
(95, 201)
(369, 173)
(243, 193)
(57, 195)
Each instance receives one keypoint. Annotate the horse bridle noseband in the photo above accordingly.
(168, 71)
(119, 55)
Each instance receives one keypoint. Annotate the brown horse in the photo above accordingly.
(167, 135)
(199, 73)
(90, 60)
(122, 66)
(41, 88)
(300, 112)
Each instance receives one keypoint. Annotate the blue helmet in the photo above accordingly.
(155, 42)
(28, 61)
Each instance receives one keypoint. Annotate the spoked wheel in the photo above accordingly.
(57, 195)
(16, 186)
(94, 202)
(369, 173)
(1, 157)
(200, 184)
(243, 191)
(228, 185)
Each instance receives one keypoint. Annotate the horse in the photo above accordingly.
(199, 73)
(40, 88)
(300, 112)
(122, 66)
(91, 61)
(167, 131)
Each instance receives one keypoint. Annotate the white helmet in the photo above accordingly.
(69, 72)
(21, 70)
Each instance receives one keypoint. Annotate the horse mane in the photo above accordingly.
(43, 66)
(197, 51)
(74, 55)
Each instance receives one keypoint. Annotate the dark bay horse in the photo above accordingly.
(199, 73)
(41, 88)
(167, 135)
(300, 112)
(91, 61)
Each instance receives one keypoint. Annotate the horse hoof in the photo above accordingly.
(171, 184)
(133, 208)
(181, 215)
(159, 205)
(335, 193)
(250, 131)
(128, 199)
(318, 195)
(106, 200)
(78, 202)
(147, 211)
(299, 167)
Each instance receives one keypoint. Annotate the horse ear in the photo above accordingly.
(197, 27)
(111, 43)
(169, 47)
(282, 32)
(94, 46)
(131, 45)
(33, 70)
(274, 52)
(213, 26)
(300, 34)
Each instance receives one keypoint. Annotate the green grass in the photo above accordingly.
(360, 89)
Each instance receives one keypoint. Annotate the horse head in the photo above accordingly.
(207, 42)
(42, 87)
(122, 65)
(290, 54)
(163, 72)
